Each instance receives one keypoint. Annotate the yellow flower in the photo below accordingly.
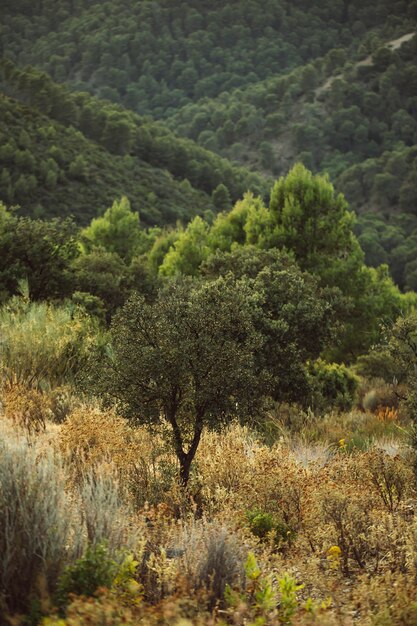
(333, 556)
(342, 443)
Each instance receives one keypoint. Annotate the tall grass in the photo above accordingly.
(41, 343)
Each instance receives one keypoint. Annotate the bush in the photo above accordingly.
(34, 521)
(42, 344)
(213, 559)
(27, 408)
(96, 568)
(91, 438)
(333, 386)
(381, 398)
(265, 525)
(104, 513)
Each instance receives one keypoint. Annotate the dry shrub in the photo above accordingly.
(387, 599)
(93, 437)
(223, 462)
(62, 403)
(29, 408)
(391, 477)
(385, 396)
(238, 473)
(34, 519)
(277, 484)
(104, 513)
(348, 518)
(213, 558)
(387, 414)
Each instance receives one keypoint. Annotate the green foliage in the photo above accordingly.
(41, 343)
(149, 58)
(188, 357)
(188, 252)
(116, 231)
(267, 526)
(296, 317)
(265, 601)
(221, 198)
(147, 141)
(96, 568)
(37, 251)
(333, 386)
(288, 588)
(87, 177)
(310, 220)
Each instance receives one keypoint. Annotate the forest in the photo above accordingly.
(208, 313)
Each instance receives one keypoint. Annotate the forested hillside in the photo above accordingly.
(330, 84)
(158, 56)
(54, 171)
(109, 151)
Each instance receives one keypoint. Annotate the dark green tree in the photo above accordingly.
(40, 252)
(188, 358)
(295, 316)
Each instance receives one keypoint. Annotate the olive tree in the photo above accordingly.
(188, 359)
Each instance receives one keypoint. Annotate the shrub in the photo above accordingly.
(104, 513)
(34, 520)
(42, 343)
(96, 568)
(91, 437)
(385, 396)
(213, 559)
(333, 386)
(27, 408)
(265, 525)
(62, 403)
(390, 478)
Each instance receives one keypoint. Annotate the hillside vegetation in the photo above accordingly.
(53, 170)
(330, 84)
(132, 153)
(208, 313)
(155, 57)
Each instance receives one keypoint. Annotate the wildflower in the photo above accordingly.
(333, 556)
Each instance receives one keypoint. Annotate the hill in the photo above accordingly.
(264, 85)
(155, 57)
(65, 153)
(54, 171)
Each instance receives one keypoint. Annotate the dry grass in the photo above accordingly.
(346, 514)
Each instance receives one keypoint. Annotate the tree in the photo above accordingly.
(116, 231)
(39, 251)
(295, 317)
(188, 251)
(221, 198)
(311, 220)
(188, 359)
(104, 275)
(229, 228)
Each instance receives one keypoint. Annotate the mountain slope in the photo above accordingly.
(156, 57)
(330, 114)
(55, 171)
(128, 154)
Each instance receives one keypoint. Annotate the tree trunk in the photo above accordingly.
(185, 458)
